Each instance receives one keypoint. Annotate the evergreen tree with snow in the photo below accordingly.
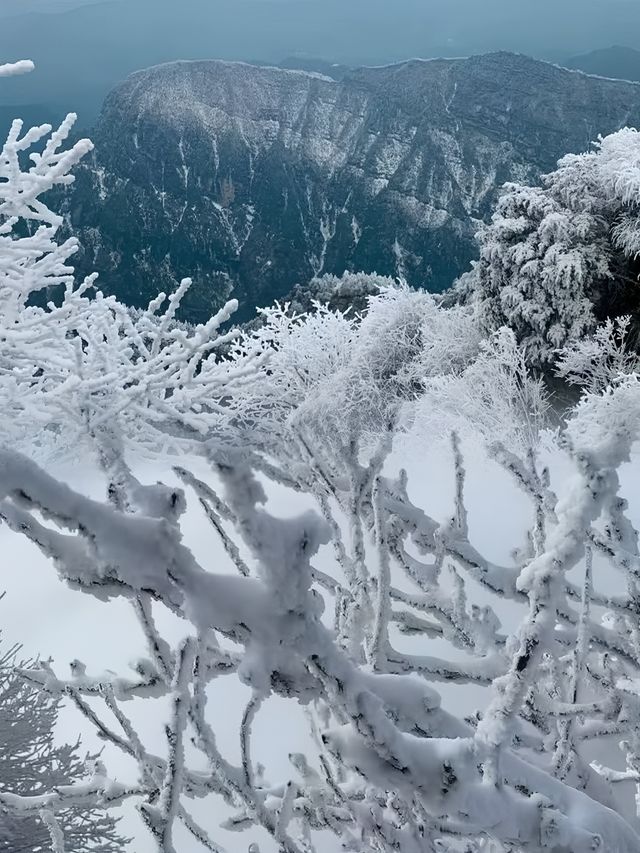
(559, 258)
(33, 763)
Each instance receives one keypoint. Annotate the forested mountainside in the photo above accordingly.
(252, 179)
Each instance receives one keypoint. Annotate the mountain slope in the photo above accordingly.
(622, 63)
(253, 179)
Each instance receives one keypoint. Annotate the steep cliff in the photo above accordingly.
(252, 179)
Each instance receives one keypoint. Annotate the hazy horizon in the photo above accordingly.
(83, 48)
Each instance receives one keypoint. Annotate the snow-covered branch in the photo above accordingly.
(387, 729)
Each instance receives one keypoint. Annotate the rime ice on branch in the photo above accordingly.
(393, 768)
(72, 360)
(389, 767)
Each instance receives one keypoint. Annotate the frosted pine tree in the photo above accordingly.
(559, 258)
(33, 761)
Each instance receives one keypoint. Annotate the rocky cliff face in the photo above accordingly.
(252, 179)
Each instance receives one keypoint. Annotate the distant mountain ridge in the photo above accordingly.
(16, 8)
(82, 48)
(621, 63)
(254, 179)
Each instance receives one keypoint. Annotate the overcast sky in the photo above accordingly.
(389, 26)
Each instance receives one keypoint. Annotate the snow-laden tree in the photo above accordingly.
(348, 376)
(348, 292)
(596, 361)
(33, 762)
(559, 258)
(493, 396)
(388, 768)
(72, 360)
(80, 372)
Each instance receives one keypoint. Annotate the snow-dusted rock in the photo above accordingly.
(250, 179)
